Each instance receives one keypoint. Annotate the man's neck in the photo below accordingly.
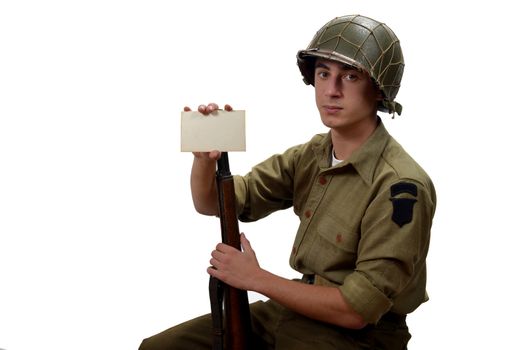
(347, 141)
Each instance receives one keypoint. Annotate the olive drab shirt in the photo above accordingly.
(364, 223)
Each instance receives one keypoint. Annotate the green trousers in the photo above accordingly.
(276, 327)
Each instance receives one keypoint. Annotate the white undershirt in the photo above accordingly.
(334, 160)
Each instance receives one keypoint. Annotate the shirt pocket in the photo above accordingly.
(337, 245)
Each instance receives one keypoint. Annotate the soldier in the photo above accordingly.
(365, 209)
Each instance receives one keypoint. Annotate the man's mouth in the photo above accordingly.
(332, 109)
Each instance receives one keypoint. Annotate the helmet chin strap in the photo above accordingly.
(391, 107)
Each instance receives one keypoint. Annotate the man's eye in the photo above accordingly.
(322, 74)
(351, 77)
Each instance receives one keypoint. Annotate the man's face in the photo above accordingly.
(345, 96)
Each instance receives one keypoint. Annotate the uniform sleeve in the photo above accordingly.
(268, 187)
(395, 234)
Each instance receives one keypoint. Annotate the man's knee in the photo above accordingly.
(194, 334)
(147, 345)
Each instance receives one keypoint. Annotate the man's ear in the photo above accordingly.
(379, 95)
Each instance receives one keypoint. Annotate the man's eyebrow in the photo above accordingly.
(321, 65)
(350, 67)
(344, 66)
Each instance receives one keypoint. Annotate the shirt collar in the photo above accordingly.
(364, 160)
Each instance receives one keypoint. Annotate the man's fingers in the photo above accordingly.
(215, 155)
(209, 108)
(214, 262)
(202, 109)
(224, 248)
(246, 245)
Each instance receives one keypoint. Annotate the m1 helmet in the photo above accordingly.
(363, 43)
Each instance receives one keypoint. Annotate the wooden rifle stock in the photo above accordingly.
(228, 304)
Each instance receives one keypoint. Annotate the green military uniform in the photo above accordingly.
(364, 228)
(364, 224)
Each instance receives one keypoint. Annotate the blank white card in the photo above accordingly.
(222, 131)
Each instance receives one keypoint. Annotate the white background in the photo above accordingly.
(99, 243)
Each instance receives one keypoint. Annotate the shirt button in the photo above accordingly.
(322, 180)
(308, 213)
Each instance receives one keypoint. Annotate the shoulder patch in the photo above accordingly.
(404, 187)
(402, 210)
(403, 207)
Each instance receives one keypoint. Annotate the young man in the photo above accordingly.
(365, 209)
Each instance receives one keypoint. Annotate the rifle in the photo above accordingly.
(229, 305)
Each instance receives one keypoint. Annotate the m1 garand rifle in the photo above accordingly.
(229, 306)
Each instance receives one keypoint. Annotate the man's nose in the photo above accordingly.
(334, 87)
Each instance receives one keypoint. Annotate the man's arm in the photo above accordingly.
(317, 302)
(203, 184)
(241, 270)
